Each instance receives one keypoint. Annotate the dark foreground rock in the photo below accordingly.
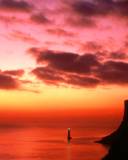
(118, 140)
(121, 132)
(118, 150)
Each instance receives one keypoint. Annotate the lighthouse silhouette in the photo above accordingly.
(69, 135)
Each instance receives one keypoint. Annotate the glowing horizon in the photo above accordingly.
(63, 55)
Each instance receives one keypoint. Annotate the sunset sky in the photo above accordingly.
(63, 54)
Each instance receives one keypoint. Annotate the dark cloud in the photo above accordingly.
(100, 8)
(83, 81)
(8, 82)
(18, 72)
(89, 8)
(15, 5)
(80, 21)
(40, 19)
(48, 75)
(54, 77)
(113, 72)
(87, 70)
(65, 68)
(118, 55)
(68, 62)
(91, 47)
(122, 7)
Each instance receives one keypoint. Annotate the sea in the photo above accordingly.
(50, 143)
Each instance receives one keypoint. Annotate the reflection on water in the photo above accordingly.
(48, 144)
(69, 151)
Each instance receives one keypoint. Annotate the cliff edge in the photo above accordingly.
(118, 140)
(121, 132)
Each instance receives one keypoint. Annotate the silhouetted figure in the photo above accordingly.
(69, 135)
(118, 140)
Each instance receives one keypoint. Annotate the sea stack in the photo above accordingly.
(121, 132)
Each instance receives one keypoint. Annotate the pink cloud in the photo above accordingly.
(25, 37)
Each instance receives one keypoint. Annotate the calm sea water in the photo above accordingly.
(36, 143)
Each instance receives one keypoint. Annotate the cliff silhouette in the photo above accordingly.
(118, 140)
(121, 132)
